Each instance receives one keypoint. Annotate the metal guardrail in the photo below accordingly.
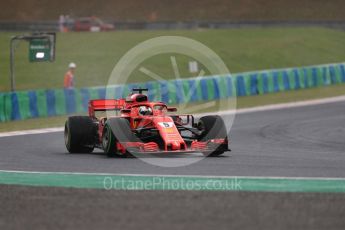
(166, 25)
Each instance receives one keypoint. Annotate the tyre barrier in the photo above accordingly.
(22, 105)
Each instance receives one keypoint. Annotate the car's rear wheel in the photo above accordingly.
(213, 127)
(79, 134)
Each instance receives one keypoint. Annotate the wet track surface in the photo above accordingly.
(61, 208)
(302, 142)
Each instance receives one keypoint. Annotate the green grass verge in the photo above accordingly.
(35, 123)
(242, 102)
(241, 49)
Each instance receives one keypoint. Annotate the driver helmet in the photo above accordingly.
(144, 110)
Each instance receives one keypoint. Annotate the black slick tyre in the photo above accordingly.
(79, 134)
(213, 127)
(117, 130)
(109, 142)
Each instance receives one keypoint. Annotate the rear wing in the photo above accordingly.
(105, 105)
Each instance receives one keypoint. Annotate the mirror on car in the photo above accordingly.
(126, 111)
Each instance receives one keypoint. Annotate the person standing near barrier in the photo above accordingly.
(69, 76)
(62, 23)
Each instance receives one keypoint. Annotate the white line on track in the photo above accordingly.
(284, 105)
(29, 132)
(182, 176)
(238, 111)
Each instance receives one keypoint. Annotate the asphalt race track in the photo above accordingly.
(296, 142)
(61, 208)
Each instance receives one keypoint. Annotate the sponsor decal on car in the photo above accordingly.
(166, 125)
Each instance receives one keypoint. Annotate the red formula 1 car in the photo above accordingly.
(136, 125)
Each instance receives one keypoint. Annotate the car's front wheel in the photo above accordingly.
(117, 130)
(213, 128)
(109, 142)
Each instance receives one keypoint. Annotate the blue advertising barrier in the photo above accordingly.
(22, 105)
